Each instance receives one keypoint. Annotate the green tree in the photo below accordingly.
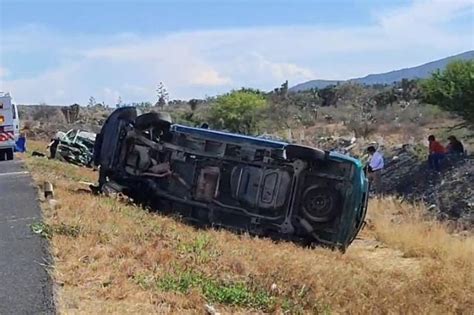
(162, 95)
(119, 102)
(453, 89)
(193, 103)
(328, 96)
(92, 102)
(237, 111)
(385, 98)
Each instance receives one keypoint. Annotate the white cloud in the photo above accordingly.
(110, 96)
(424, 13)
(4, 72)
(196, 63)
(209, 77)
(281, 70)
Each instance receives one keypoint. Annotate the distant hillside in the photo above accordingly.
(422, 71)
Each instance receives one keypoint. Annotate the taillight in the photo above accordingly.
(2, 119)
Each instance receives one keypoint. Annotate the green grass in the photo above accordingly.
(229, 293)
(47, 230)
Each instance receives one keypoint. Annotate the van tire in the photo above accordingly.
(10, 155)
(2, 154)
(295, 151)
(162, 121)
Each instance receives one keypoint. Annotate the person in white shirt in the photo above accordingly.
(375, 168)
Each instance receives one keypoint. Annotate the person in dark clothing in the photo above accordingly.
(53, 146)
(455, 146)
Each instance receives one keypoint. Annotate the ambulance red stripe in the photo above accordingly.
(7, 136)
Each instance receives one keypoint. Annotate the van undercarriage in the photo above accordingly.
(242, 183)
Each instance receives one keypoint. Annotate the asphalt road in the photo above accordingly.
(25, 286)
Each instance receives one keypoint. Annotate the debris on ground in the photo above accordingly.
(449, 195)
(337, 144)
(38, 154)
(211, 310)
(76, 146)
(48, 190)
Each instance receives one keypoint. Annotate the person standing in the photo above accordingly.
(375, 167)
(53, 147)
(436, 153)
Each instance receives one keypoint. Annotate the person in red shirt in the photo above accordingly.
(436, 153)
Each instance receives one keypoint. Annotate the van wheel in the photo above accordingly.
(161, 121)
(294, 151)
(2, 154)
(320, 204)
(9, 154)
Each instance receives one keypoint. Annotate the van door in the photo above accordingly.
(15, 121)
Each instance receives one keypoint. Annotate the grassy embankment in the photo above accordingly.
(113, 257)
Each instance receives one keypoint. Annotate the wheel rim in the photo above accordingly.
(319, 204)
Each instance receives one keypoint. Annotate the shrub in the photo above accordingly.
(361, 128)
(453, 88)
(237, 111)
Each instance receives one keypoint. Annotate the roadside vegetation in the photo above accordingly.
(402, 112)
(453, 89)
(111, 256)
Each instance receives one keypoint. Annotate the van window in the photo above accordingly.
(14, 111)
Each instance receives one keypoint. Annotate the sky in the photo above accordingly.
(64, 52)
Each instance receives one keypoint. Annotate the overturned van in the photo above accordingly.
(250, 184)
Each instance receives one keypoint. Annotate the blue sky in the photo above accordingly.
(60, 52)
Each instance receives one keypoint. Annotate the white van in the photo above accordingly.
(9, 126)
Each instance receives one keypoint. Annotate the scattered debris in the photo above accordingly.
(48, 190)
(274, 287)
(337, 144)
(38, 154)
(76, 147)
(41, 229)
(447, 194)
(211, 310)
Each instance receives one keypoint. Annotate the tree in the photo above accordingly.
(143, 107)
(407, 89)
(119, 102)
(193, 103)
(284, 89)
(452, 89)
(237, 111)
(314, 92)
(162, 95)
(92, 102)
(384, 98)
(71, 113)
(328, 95)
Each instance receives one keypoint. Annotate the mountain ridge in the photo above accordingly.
(416, 72)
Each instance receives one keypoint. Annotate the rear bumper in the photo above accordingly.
(7, 144)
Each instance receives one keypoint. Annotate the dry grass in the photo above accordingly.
(113, 257)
